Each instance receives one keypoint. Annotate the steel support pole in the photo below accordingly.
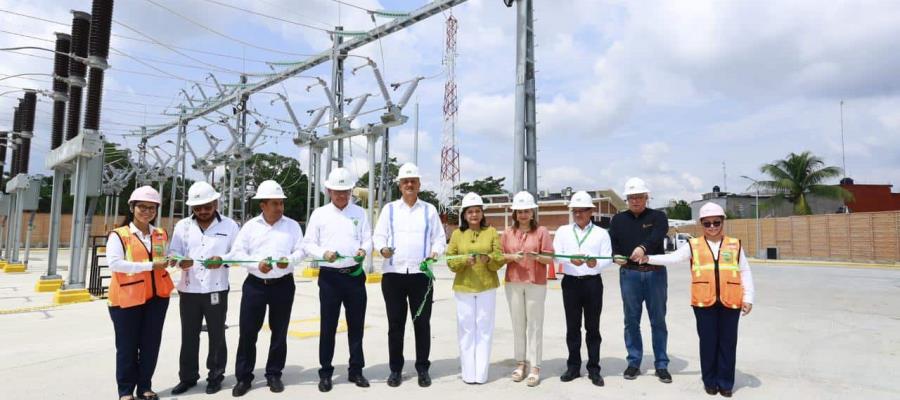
(758, 245)
(55, 221)
(524, 146)
(173, 189)
(76, 268)
(370, 147)
(15, 228)
(28, 237)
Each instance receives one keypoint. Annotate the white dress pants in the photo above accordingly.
(475, 320)
(526, 309)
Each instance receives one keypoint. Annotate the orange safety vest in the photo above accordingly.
(133, 289)
(716, 279)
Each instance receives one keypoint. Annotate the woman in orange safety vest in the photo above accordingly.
(138, 293)
(721, 290)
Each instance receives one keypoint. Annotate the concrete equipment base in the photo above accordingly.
(18, 267)
(48, 285)
(310, 272)
(64, 296)
(374, 277)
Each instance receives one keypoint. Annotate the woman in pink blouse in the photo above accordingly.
(526, 284)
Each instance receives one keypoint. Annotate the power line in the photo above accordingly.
(245, 43)
(266, 15)
(353, 5)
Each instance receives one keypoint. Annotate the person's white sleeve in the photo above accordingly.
(115, 257)
(678, 256)
(311, 239)
(297, 251)
(746, 279)
(559, 246)
(380, 237)
(366, 235)
(605, 251)
(177, 245)
(239, 249)
(438, 237)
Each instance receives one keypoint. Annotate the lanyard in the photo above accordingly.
(586, 234)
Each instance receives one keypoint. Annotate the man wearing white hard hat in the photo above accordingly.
(636, 232)
(274, 243)
(200, 241)
(582, 287)
(408, 231)
(339, 233)
(721, 291)
(139, 291)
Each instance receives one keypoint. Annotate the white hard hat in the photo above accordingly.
(201, 193)
(145, 193)
(340, 179)
(711, 210)
(581, 199)
(471, 199)
(408, 170)
(635, 186)
(523, 201)
(269, 190)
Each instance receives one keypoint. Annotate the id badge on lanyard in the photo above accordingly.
(214, 298)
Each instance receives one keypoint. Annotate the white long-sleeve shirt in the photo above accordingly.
(414, 233)
(115, 253)
(258, 240)
(344, 231)
(684, 254)
(188, 240)
(594, 241)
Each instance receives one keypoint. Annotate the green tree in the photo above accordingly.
(800, 175)
(679, 209)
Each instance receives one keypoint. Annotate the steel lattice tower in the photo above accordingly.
(449, 153)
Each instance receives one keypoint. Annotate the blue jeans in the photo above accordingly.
(639, 287)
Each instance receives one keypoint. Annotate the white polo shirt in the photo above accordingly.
(188, 240)
(590, 241)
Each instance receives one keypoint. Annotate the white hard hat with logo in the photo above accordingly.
(635, 186)
(581, 199)
(269, 190)
(711, 210)
(201, 193)
(408, 170)
(523, 201)
(340, 179)
(471, 199)
(145, 193)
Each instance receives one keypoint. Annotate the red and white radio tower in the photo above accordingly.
(449, 153)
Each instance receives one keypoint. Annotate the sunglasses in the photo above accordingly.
(145, 208)
(716, 224)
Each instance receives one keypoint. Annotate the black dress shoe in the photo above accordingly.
(275, 384)
(711, 390)
(148, 395)
(213, 387)
(325, 384)
(240, 389)
(359, 380)
(570, 375)
(596, 379)
(424, 379)
(182, 387)
(631, 373)
(664, 375)
(725, 392)
(395, 379)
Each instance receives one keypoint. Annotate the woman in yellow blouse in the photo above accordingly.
(475, 287)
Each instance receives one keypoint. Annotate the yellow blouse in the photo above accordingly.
(480, 276)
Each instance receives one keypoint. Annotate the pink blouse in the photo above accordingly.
(529, 271)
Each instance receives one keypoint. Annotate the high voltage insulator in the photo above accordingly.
(29, 104)
(101, 21)
(17, 127)
(60, 87)
(81, 26)
(4, 141)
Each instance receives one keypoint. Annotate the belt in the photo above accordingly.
(644, 267)
(343, 271)
(273, 281)
(583, 277)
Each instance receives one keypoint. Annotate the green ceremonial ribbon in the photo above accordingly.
(576, 257)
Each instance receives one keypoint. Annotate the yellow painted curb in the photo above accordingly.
(28, 309)
(63, 296)
(14, 268)
(2, 264)
(310, 272)
(374, 277)
(48, 285)
(303, 334)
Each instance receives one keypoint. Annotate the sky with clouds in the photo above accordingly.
(668, 91)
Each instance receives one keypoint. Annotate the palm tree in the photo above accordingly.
(801, 175)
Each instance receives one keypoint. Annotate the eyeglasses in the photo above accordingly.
(636, 197)
(716, 223)
(145, 208)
